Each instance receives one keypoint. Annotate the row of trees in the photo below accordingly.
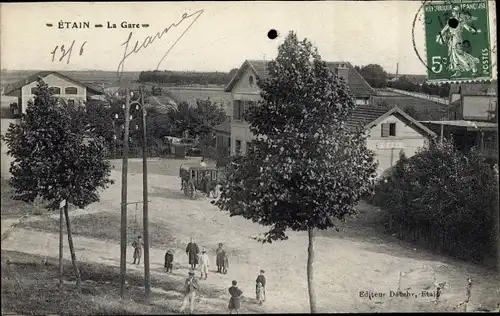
(444, 199)
(377, 77)
(187, 77)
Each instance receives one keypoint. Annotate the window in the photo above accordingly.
(236, 109)
(238, 147)
(71, 102)
(214, 175)
(70, 90)
(392, 129)
(34, 90)
(388, 129)
(55, 90)
(250, 80)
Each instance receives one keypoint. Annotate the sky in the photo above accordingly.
(218, 36)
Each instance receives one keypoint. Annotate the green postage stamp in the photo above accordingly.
(457, 38)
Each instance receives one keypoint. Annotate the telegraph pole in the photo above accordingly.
(123, 231)
(145, 217)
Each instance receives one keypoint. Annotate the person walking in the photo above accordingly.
(204, 264)
(192, 252)
(260, 290)
(190, 289)
(219, 252)
(137, 244)
(234, 302)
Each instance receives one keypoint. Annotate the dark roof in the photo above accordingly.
(369, 116)
(363, 115)
(34, 77)
(357, 84)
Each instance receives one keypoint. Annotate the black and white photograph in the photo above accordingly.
(249, 157)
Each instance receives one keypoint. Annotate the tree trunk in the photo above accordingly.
(61, 241)
(310, 272)
(71, 248)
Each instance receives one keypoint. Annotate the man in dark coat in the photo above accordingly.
(234, 301)
(169, 260)
(220, 258)
(192, 251)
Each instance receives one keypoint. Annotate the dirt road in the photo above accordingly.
(344, 265)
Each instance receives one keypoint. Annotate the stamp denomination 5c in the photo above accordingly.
(458, 41)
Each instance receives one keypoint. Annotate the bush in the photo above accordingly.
(442, 198)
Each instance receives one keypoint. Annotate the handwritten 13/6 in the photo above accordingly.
(66, 52)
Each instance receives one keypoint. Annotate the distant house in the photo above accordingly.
(474, 101)
(63, 87)
(389, 132)
(245, 92)
(21, 92)
(476, 122)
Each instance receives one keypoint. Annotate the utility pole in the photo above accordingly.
(145, 217)
(123, 233)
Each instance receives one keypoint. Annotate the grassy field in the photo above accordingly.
(106, 226)
(30, 285)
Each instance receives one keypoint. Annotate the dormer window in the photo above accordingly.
(250, 80)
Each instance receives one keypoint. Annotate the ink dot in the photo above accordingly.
(453, 23)
(272, 34)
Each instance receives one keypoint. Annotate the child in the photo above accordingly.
(234, 301)
(225, 266)
(137, 244)
(204, 263)
(261, 292)
(169, 260)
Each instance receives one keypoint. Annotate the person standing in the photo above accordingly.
(203, 163)
(192, 251)
(204, 264)
(137, 244)
(219, 252)
(226, 263)
(190, 289)
(234, 301)
(260, 293)
(169, 260)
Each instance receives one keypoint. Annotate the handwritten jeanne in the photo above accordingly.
(150, 40)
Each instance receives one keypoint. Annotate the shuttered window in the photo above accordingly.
(388, 129)
(385, 130)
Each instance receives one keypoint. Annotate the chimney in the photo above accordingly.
(343, 71)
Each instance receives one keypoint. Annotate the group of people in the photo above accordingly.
(191, 285)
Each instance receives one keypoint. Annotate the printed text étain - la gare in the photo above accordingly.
(87, 25)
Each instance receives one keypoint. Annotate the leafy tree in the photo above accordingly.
(375, 75)
(447, 195)
(305, 169)
(200, 120)
(56, 156)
